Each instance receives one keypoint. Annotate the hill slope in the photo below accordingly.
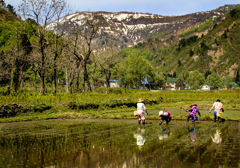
(218, 50)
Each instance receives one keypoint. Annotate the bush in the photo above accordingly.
(11, 110)
(5, 91)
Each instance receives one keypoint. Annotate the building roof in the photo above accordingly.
(233, 83)
(172, 80)
(211, 86)
(145, 81)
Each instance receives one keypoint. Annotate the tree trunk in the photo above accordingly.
(93, 78)
(67, 81)
(42, 75)
(54, 80)
(107, 75)
(15, 76)
(77, 82)
(35, 81)
(21, 80)
(84, 78)
(70, 86)
(42, 88)
(55, 74)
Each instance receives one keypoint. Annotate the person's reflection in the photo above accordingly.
(140, 136)
(217, 136)
(165, 133)
(192, 133)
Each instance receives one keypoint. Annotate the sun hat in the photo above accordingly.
(160, 113)
(193, 105)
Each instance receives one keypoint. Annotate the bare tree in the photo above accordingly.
(96, 71)
(81, 44)
(71, 67)
(106, 61)
(60, 29)
(43, 12)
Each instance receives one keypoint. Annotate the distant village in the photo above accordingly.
(170, 84)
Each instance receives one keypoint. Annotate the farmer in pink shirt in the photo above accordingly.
(193, 112)
(141, 108)
(218, 108)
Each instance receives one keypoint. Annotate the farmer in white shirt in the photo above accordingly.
(218, 107)
(141, 108)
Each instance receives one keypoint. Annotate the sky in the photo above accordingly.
(159, 7)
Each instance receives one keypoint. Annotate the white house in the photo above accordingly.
(114, 83)
(171, 84)
(206, 87)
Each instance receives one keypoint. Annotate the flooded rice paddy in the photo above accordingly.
(119, 143)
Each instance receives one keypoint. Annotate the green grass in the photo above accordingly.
(176, 102)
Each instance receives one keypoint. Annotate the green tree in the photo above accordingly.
(11, 9)
(191, 53)
(215, 80)
(179, 63)
(2, 4)
(134, 68)
(229, 81)
(207, 73)
(237, 78)
(234, 12)
(106, 62)
(15, 75)
(160, 78)
(144, 53)
(195, 79)
(180, 80)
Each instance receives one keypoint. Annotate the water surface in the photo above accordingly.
(118, 143)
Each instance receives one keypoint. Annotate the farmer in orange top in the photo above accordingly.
(218, 108)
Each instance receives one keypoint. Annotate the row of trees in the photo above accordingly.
(195, 79)
(30, 51)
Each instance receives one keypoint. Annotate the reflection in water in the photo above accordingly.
(108, 144)
(165, 133)
(192, 133)
(140, 136)
(217, 136)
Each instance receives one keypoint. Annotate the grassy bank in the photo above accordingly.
(119, 104)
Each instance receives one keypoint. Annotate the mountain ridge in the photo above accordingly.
(128, 28)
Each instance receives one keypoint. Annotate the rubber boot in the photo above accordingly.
(139, 122)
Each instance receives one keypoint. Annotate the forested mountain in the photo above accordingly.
(178, 43)
(216, 50)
